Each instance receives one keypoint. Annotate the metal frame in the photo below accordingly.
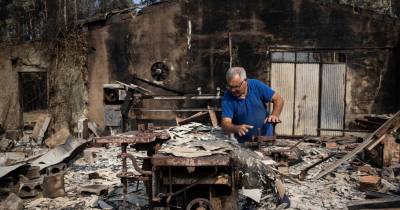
(320, 62)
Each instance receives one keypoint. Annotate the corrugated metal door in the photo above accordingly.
(306, 99)
(332, 98)
(282, 81)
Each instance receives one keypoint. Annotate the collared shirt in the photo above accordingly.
(251, 110)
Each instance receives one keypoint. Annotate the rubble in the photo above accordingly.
(42, 123)
(12, 202)
(60, 137)
(6, 144)
(83, 128)
(379, 203)
(53, 185)
(97, 189)
(254, 194)
(369, 183)
(59, 153)
(389, 126)
(94, 128)
(93, 179)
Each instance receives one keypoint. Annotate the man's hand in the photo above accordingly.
(243, 129)
(272, 119)
(229, 127)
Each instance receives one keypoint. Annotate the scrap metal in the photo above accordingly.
(196, 162)
(385, 128)
(149, 138)
(59, 153)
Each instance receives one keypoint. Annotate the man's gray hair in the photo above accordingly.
(233, 71)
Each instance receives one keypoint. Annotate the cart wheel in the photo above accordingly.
(199, 204)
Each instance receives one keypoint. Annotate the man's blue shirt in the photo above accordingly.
(251, 110)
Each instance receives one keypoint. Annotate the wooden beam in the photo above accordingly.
(380, 203)
(370, 139)
(180, 121)
(213, 117)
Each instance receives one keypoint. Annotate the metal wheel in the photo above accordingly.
(199, 204)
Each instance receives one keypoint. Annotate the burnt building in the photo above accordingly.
(332, 62)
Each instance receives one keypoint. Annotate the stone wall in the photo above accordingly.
(66, 67)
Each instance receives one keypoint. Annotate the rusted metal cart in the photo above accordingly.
(193, 183)
(176, 182)
(142, 140)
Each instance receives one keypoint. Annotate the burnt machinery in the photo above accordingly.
(121, 98)
(175, 182)
(171, 182)
(142, 140)
(194, 183)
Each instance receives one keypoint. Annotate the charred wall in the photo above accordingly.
(193, 39)
(369, 40)
(64, 63)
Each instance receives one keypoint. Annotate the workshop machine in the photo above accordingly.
(171, 182)
(175, 182)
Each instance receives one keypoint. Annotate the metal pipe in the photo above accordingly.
(124, 170)
(343, 130)
(188, 187)
(174, 110)
(272, 48)
(180, 97)
(135, 165)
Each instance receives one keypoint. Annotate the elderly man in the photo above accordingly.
(244, 106)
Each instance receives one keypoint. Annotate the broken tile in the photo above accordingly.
(254, 194)
(367, 169)
(42, 123)
(330, 145)
(369, 182)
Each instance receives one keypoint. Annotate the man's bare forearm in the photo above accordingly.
(229, 127)
(277, 105)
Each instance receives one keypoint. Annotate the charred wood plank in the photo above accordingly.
(368, 141)
(379, 203)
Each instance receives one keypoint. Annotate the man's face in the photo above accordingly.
(237, 86)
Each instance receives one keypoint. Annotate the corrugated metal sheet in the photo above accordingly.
(332, 98)
(306, 99)
(282, 81)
